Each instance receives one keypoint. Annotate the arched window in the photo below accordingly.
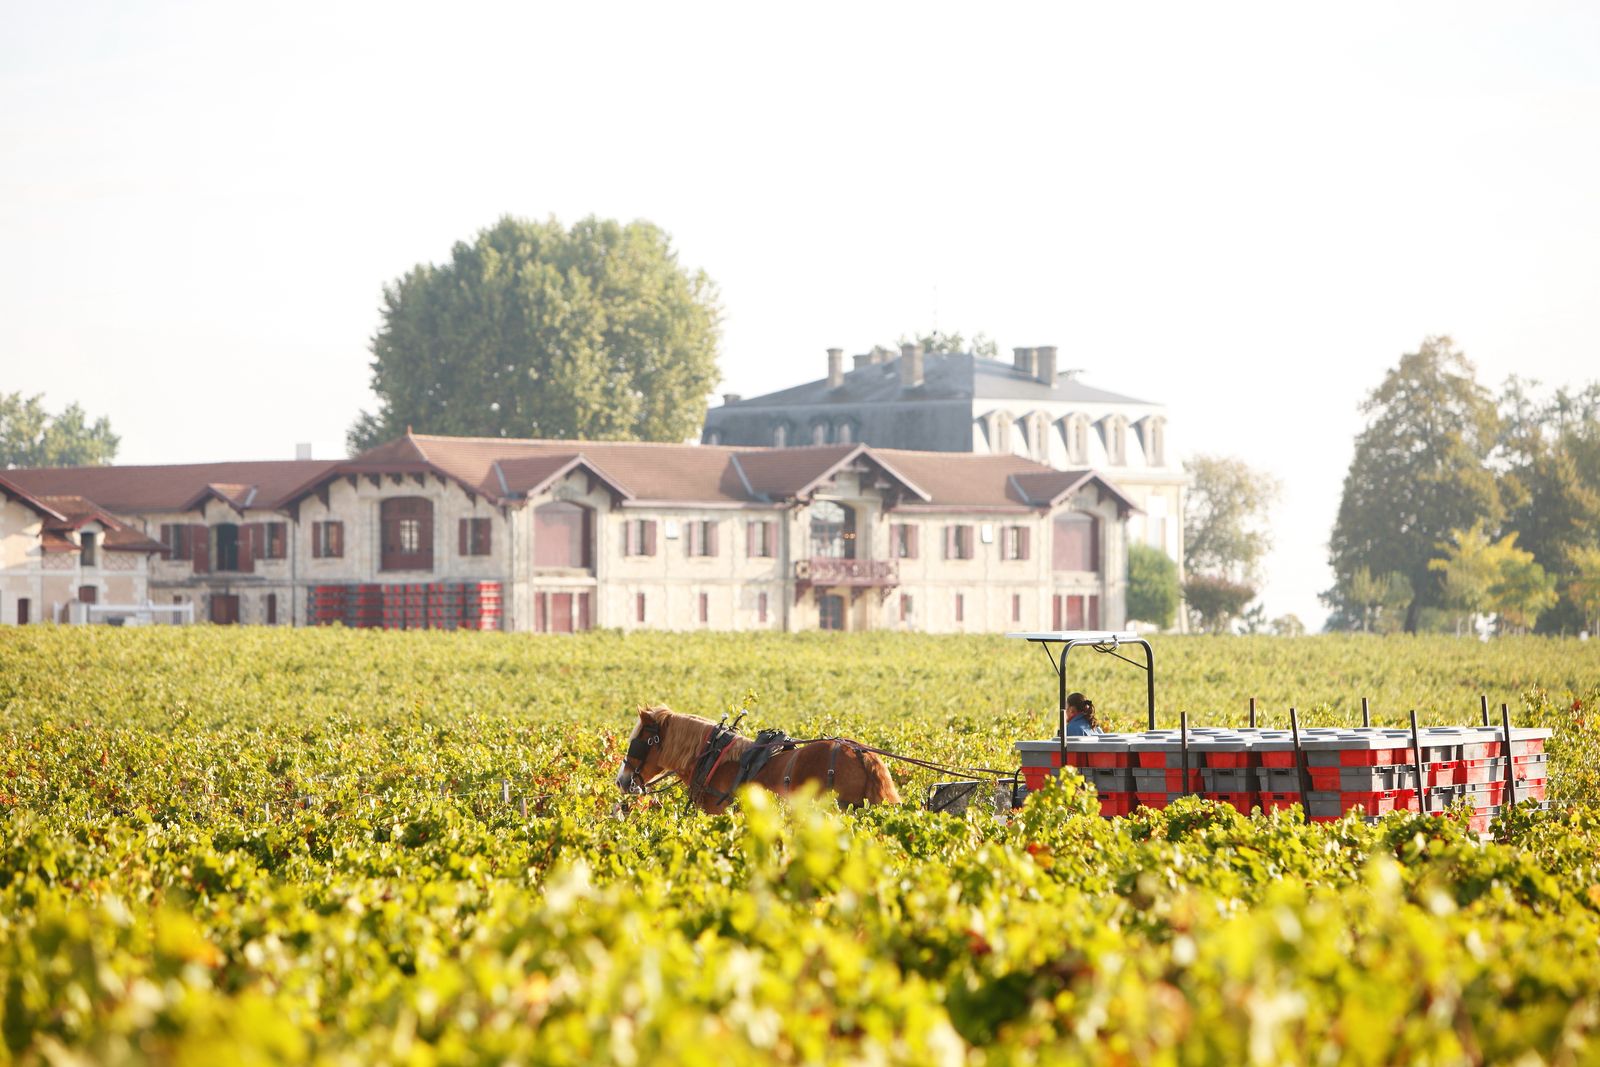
(846, 433)
(819, 432)
(561, 535)
(1155, 441)
(833, 530)
(1116, 431)
(780, 435)
(407, 533)
(713, 437)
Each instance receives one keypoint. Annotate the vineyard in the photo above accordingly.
(356, 847)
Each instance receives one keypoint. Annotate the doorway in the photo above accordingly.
(225, 609)
(830, 612)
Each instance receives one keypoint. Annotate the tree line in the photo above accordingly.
(1461, 504)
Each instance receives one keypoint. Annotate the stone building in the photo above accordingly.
(571, 535)
(962, 403)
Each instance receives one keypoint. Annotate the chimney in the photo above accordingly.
(910, 366)
(1024, 360)
(835, 367)
(880, 354)
(731, 398)
(302, 450)
(862, 359)
(1044, 364)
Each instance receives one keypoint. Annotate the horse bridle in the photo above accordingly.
(639, 748)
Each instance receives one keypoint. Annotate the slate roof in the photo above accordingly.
(946, 376)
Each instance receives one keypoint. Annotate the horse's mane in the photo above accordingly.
(682, 738)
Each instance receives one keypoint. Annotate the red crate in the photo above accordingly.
(1277, 801)
(1114, 803)
(1227, 760)
(1150, 800)
(1241, 802)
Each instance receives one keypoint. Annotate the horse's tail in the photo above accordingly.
(880, 786)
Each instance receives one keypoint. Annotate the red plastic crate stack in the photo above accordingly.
(444, 606)
(480, 606)
(327, 604)
(364, 606)
(416, 606)
(394, 607)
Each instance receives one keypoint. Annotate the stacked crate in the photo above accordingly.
(1369, 770)
(444, 606)
(327, 604)
(480, 605)
(364, 606)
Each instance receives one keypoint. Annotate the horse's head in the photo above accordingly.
(642, 765)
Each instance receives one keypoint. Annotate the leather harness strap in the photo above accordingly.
(833, 754)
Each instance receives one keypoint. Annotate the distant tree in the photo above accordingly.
(1225, 529)
(1470, 565)
(1288, 626)
(1522, 590)
(1216, 600)
(535, 330)
(1551, 486)
(1152, 586)
(1584, 586)
(32, 437)
(940, 341)
(1420, 470)
(1376, 603)
(1253, 620)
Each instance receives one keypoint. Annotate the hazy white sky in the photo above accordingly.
(1245, 211)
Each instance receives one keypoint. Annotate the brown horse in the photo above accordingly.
(664, 742)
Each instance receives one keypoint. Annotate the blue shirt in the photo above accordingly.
(1080, 727)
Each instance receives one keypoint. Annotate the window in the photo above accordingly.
(179, 540)
(407, 533)
(961, 608)
(714, 437)
(1155, 441)
(639, 537)
(86, 547)
(705, 608)
(561, 535)
(88, 594)
(833, 530)
(819, 433)
(905, 607)
(638, 606)
(227, 556)
(1076, 612)
(1075, 429)
(327, 540)
(1116, 432)
(846, 434)
(1016, 607)
(780, 435)
(276, 540)
(1014, 542)
(24, 611)
(701, 539)
(761, 537)
(1077, 543)
(958, 542)
(903, 536)
(473, 536)
(272, 609)
(761, 607)
(830, 612)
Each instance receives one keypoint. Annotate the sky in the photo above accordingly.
(1247, 212)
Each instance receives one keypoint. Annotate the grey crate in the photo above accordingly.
(1229, 779)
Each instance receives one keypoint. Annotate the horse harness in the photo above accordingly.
(767, 744)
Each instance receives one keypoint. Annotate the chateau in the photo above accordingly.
(556, 536)
(957, 402)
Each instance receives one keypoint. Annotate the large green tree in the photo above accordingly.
(1550, 447)
(1153, 589)
(535, 330)
(1420, 470)
(31, 437)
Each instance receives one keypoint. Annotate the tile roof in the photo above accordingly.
(13, 491)
(176, 487)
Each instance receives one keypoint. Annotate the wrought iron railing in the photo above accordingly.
(828, 570)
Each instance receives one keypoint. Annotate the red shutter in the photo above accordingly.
(1055, 613)
(463, 537)
(336, 544)
(588, 537)
(911, 541)
(487, 525)
(200, 547)
(167, 539)
(317, 534)
(649, 537)
(1094, 612)
(249, 537)
(1023, 536)
(711, 538)
(752, 544)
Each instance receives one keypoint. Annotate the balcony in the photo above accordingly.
(824, 571)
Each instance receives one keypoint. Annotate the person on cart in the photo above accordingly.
(1081, 720)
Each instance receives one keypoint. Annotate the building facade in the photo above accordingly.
(962, 403)
(564, 536)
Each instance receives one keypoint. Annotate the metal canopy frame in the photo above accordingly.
(1104, 641)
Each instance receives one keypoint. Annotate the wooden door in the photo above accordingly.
(225, 609)
(24, 611)
(561, 613)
